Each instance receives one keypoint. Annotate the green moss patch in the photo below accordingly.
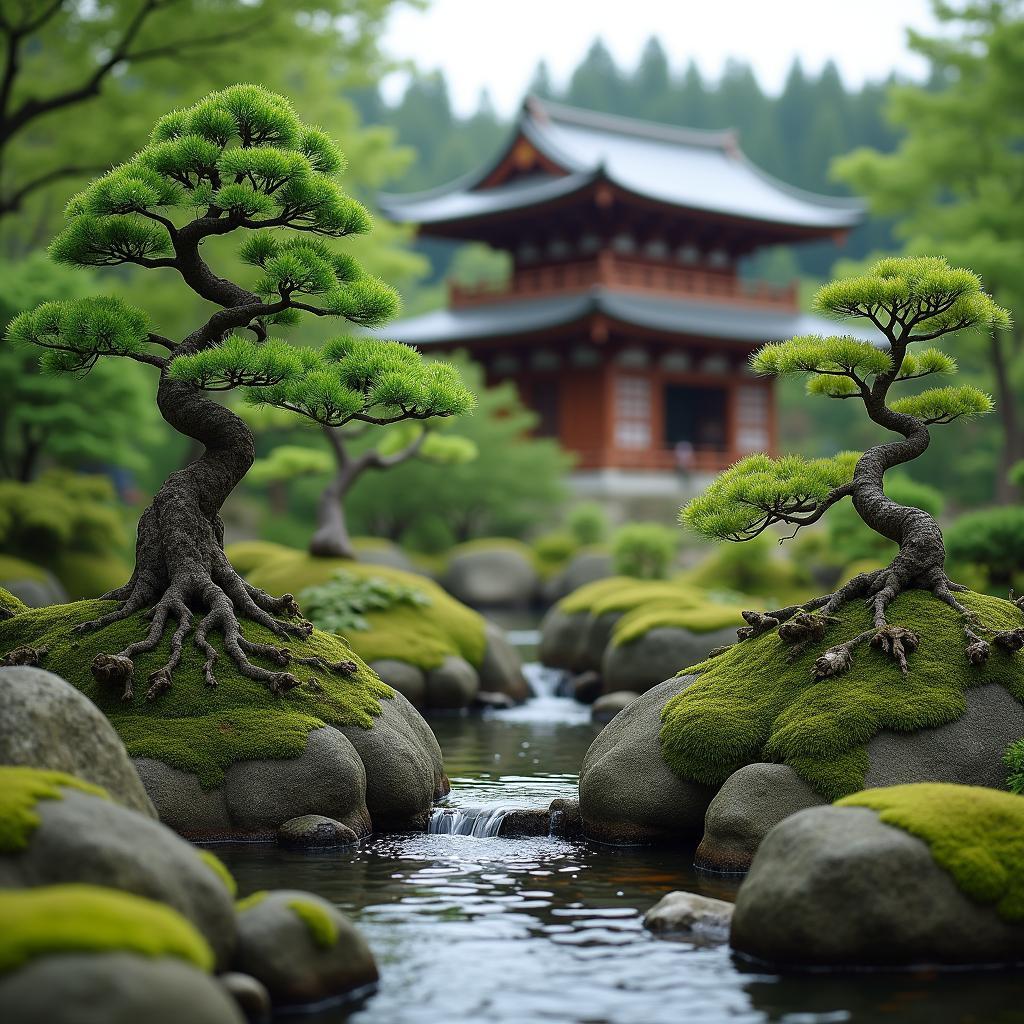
(90, 919)
(85, 575)
(421, 635)
(248, 555)
(976, 834)
(254, 899)
(18, 569)
(20, 790)
(705, 619)
(753, 704)
(322, 928)
(191, 726)
(216, 865)
(11, 603)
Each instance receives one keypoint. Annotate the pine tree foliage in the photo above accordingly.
(908, 300)
(241, 159)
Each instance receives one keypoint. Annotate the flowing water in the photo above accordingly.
(472, 928)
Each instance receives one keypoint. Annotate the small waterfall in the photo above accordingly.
(481, 822)
(543, 681)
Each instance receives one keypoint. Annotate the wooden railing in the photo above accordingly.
(701, 460)
(614, 271)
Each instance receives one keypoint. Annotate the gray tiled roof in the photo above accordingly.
(681, 167)
(678, 316)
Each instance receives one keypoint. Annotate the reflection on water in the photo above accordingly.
(516, 931)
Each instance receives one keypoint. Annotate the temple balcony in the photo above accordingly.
(700, 460)
(619, 273)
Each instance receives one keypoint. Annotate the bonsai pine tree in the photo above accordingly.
(909, 302)
(236, 163)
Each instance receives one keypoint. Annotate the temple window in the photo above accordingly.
(632, 412)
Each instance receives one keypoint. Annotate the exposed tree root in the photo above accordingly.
(32, 656)
(802, 625)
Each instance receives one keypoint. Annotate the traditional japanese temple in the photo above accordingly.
(625, 322)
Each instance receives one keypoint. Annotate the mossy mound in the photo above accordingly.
(18, 569)
(625, 593)
(85, 575)
(753, 704)
(708, 618)
(91, 919)
(751, 568)
(192, 727)
(976, 834)
(248, 555)
(10, 603)
(422, 635)
(20, 790)
(470, 547)
(322, 929)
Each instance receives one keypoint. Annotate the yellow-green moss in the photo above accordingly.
(18, 569)
(254, 899)
(20, 790)
(423, 636)
(248, 555)
(856, 568)
(751, 568)
(192, 727)
(976, 834)
(321, 926)
(216, 865)
(85, 575)
(90, 919)
(11, 603)
(491, 544)
(706, 618)
(752, 703)
(584, 599)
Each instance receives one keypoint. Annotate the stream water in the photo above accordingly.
(468, 926)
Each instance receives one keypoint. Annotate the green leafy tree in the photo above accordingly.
(517, 483)
(588, 523)
(238, 161)
(957, 177)
(644, 550)
(62, 60)
(47, 419)
(910, 302)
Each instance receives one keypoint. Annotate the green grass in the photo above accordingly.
(192, 727)
(423, 636)
(705, 619)
(976, 834)
(91, 919)
(752, 704)
(20, 790)
(322, 928)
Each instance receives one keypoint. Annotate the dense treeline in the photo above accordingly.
(793, 135)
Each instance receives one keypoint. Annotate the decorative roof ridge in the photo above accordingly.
(712, 138)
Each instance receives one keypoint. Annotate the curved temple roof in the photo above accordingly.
(681, 167)
(676, 316)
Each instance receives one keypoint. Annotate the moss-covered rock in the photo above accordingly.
(492, 573)
(892, 877)
(29, 583)
(423, 635)
(754, 568)
(57, 830)
(193, 727)
(85, 575)
(10, 604)
(976, 834)
(90, 919)
(249, 555)
(756, 702)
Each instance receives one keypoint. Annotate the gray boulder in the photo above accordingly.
(452, 685)
(256, 796)
(586, 687)
(384, 553)
(657, 655)
(93, 841)
(751, 802)
(404, 769)
(688, 915)
(606, 707)
(46, 723)
(409, 680)
(501, 671)
(524, 823)
(968, 751)
(583, 568)
(314, 831)
(628, 794)
(251, 996)
(561, 639)
(491, 577)
(301, 948)
(834, 886)
(596, 639)
(113, 988)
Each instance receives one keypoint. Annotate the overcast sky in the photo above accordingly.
(497, 43)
